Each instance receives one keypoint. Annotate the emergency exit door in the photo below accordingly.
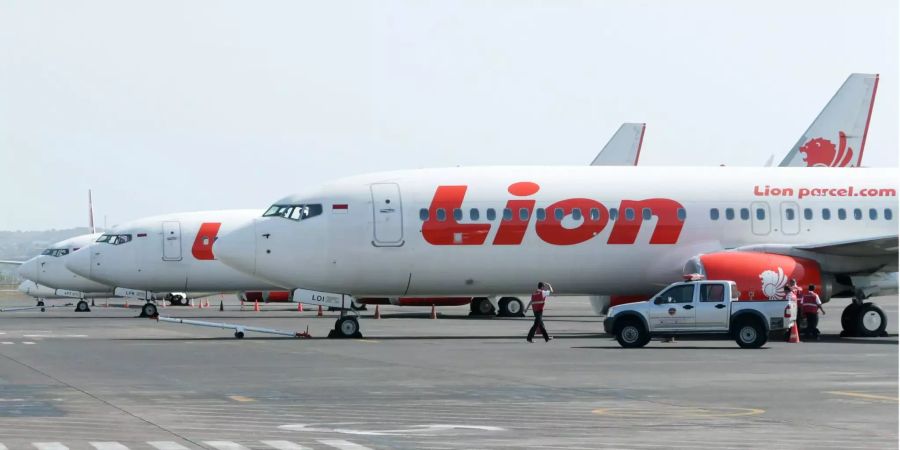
(388, 215)
(171, 241)
(760, 222)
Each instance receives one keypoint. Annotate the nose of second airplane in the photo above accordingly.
(29, 270)
(237, 249)
(80, 262)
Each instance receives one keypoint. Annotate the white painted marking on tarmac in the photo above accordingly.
(412, 430)
(49, 446)
(285, 445)
(28, 342)
(108, 446)
(342, 444)
(225, 445)
(7, 343)
(55, 335)
(167, 445)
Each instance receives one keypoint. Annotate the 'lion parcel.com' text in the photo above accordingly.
(849, 191)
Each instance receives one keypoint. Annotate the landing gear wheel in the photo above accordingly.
(632, 334)
(40, 303)
(511, 307)
(481, 306)
(346, 327)
(82, 306)
(750, 334)
(238, 334)
(149, 310)
(849, 321)
(870, 321)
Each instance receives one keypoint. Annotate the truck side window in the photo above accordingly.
(712, 293)
(679, 294)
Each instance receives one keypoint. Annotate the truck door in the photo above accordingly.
(388, 215)
(760, 222)
(711, 308)
(171, 241)
(673, 309)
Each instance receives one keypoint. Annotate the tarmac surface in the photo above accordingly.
(108, 380)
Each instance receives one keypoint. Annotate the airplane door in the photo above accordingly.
(171, 241)
(760, 221)
(388, 215)
(790, 218)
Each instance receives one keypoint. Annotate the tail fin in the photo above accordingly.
(837, 137)
(623, 148)
(91, 212)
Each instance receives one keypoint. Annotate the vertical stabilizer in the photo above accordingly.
(624, 148)
(91, 213)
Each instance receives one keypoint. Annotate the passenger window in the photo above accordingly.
(729, 213)
(888, 214)
(576, 213)
(507, 214)
(745, 214)
(789, 214)
(857, 214)
(595, 214)
(682, 214)
(760, 214)
(558, 213)
(629, 214)
(646, 213)
(873, 214)
(677, 294)
(714, 214)
(457, 214)
(712, 293)
(613, 214)
(541, 214)
(441, 215)
(491, 214)
(807, 214)
(523, 214)
(842, 214)
(473, 214)
(423, 214)
(826, 214)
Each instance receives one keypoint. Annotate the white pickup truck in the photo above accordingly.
(702, 308)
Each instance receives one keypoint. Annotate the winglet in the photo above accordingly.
(837, 137)
(624, 147)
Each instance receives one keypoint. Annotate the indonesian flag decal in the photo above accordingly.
(340, 208)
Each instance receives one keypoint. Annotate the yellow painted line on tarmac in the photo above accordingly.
(863, 395)
(678, 412)
(241, 398)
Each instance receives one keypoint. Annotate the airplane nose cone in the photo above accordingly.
(237, 249)
(29, 270)
(80, 262)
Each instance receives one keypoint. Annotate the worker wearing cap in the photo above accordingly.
(811, 304)
(538, 299)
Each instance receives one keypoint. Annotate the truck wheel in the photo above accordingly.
(750, 334)
(849, 320)
(632, 334)
(870, 320)
(511, 307)
(481, 306)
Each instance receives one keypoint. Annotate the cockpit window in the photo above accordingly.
(115, 239)
(47, 252)
(294, 212)
(56, 252)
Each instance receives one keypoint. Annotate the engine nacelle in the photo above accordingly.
(266, 296)
(761, 275)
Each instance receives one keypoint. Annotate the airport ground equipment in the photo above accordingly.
(703, 309)
(239, 330)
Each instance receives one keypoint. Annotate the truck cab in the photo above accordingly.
(699, 307)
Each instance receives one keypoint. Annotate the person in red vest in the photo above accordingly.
(811, 304)
(538, 299)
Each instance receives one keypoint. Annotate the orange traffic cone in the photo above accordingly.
(795, 334)
(207, 303)
(200, 304)
(377, 312)
(299, 307)
(256, 305)
(107, 304)
(126, 303)
(192, 303)
(433, 312)
(320, 311)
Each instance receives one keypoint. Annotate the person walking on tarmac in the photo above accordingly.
(538, 299)
(811, 305)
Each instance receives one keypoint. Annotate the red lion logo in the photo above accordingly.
(820, 152)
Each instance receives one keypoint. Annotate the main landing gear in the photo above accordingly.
(863, 319)
(82, 306)
(506, 307)
(346, 327)
(149, 310)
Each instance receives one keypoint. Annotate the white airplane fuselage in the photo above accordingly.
(373, 238)
(49, 269)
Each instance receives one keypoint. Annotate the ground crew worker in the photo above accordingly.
(795, 288)
(538, 299)
(790, 296)
(811, 305)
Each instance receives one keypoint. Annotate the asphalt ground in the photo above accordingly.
(108, 380)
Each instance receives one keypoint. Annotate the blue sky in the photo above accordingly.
(169, 106)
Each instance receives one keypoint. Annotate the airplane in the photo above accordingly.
(590, 230)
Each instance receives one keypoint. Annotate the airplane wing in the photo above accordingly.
(885, 246)
(15, 263)
(623, 148)
(853, 256)
(837, 136)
